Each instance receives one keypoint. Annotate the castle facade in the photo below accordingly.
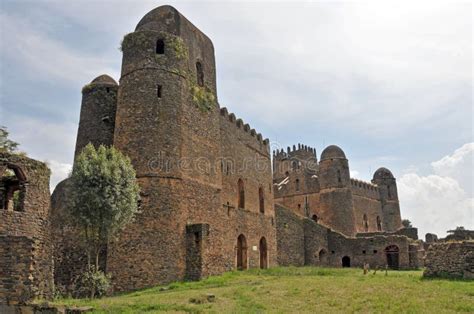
(213, 196)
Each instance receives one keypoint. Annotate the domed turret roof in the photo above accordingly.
(162, 18)
(104, 79)
(331, 152)
(383, 173)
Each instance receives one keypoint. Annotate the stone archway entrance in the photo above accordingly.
(392, 252)
(346, 261)
(241, 252)
(323, 257)
(263, 253)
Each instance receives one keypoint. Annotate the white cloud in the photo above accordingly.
(459, 166)
(354, 173)
(47, 58)
(437, 203)
(59, 172)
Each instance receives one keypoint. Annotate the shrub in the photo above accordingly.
(92, 284)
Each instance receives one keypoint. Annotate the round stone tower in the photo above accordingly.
(167, 122)
(335, 194)
(387, 185)
(97, 121)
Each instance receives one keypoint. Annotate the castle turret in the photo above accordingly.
(335, 194)
(387, 185)
(97, 121)
(167, 122)
(299, 158)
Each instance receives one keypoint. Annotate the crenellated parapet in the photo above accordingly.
(236, 123)
(299, 151)
(365, 189)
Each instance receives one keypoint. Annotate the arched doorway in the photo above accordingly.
(263, 253)
(241, 252)
(323, 257)
(315, 218)
(392, 253)
(346, 261)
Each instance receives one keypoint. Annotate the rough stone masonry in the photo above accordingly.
(212, 200)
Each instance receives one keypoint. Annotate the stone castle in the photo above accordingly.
(213, 196)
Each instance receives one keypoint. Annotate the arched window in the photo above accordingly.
(366, 223)
(200, 74)
(315, 218)
(241, 252)
(322, 257)
(241, 195)
(379, 223)
(339, 176)
(297, 184)
(12, 188)
(261, 198)
(160, 47)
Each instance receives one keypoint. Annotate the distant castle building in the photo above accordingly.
(210, 200)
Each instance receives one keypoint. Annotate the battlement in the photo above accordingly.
(365, 189)
(245, 127)
(301, 151)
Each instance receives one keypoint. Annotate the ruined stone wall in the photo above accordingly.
(16, 260)
(315, 243)
(450, 259)
(290, 237)
(411, 233)
(367, 250)
(70, 260)
(26, 239)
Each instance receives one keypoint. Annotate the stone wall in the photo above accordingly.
(301, 241)
(16, 260)
(450, 259)
(180, 151)
(70, 259)
(290, 237)
(26, 270)
(315, 243)
(371, 250)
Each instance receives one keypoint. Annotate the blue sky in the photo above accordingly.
(390, 83)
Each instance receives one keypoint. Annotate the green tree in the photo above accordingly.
(104, 197)
(406, 223)
(6, 145)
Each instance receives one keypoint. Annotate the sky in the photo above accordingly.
(388, 82)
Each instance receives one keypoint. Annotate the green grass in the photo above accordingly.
(298, 290)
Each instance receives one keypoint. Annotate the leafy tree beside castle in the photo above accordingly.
(104, 198)
(407, 223)
(6, 145)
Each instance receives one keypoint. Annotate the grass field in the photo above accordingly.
(297, 290)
